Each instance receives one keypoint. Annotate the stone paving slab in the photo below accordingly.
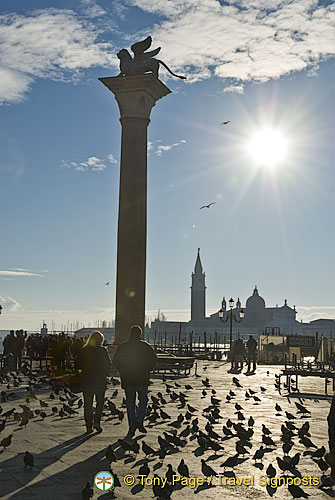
(66, 458)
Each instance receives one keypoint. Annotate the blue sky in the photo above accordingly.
(261, 64)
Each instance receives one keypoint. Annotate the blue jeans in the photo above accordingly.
(136, 414)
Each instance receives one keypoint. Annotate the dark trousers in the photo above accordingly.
(89, 417)
(136, 414)
(252, 356)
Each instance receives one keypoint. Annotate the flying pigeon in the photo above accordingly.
(207, 206)
(225, 123)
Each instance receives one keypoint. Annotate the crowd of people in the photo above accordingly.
(63, 349)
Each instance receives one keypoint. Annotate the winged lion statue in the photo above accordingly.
(142, 62)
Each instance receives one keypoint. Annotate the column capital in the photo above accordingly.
(136, 95)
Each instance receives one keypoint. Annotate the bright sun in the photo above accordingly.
(268, 147)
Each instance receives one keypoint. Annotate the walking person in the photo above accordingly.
(95, 365)
(252, 353)
(134, 360)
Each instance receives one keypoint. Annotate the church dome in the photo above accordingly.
(255, 302)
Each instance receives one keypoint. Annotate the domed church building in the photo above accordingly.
(258, 318)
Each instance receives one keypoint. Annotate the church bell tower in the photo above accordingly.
(198, 291)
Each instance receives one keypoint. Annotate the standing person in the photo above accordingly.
(252, 354)
(232, 355)
(239, 354)
(8, 345)
(134, 360)
(330, 457)
(95, 364)
(18, 347)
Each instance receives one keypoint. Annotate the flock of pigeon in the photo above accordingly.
(202, 431)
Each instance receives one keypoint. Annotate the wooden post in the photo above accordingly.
(205, 341)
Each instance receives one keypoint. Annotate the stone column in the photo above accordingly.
(136, 96)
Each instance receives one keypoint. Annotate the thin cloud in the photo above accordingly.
(111, 158)
(19, 273)
(161, 148)
(92, 9)
(49, 43)
(238, 89)
(93, 163)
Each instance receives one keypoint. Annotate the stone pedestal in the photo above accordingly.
(136, 96)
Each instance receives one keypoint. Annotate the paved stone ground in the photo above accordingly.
(66, 458)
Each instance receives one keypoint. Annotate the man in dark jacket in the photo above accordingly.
(134, 360)
(252, 354)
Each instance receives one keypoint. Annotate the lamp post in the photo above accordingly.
(231, 317)
(0, 309)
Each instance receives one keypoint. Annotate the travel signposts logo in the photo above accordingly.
(103, 480)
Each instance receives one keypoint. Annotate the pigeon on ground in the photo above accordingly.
(259, 454)
(319, 452)
(265, 430)
(144, 470)
(206, 469)
(110, 454)
(251, 422)
(183, 469)
(296, 491)
(271, 471)
(28, 459)
(117, 483)
(170, 473)
(5, 442)
(87, 492)
(231, 462)
(236, 382)
(268, 441)
(163, 493)
(147, 450)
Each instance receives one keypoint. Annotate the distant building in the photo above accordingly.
(258, 318)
